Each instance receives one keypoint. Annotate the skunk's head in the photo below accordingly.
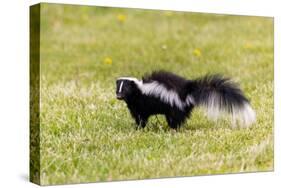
(125, 87)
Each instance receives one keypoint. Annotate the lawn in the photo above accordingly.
(88, 135)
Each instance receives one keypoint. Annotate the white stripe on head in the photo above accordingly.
(135, 80)
(120, 88)
(129, 78)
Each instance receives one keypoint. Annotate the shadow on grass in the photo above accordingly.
(164, 128)
(158, 124)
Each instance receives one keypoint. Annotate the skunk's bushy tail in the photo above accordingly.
(220, 95)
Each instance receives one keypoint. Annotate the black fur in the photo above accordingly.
(230, 94)
(142, 106)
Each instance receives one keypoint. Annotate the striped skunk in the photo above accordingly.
(175, 97)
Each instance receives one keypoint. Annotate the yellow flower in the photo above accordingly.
(121, 18)
(107, 61)
(197, 52)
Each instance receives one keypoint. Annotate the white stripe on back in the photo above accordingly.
(158, 90)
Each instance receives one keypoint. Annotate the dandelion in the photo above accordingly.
(107, 61)
(197, 52)
(121, 18)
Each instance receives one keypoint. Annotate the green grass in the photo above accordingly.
(87, 135)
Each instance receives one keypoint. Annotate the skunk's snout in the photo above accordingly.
(119, 96)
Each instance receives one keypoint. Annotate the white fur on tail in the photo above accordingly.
(243, 114)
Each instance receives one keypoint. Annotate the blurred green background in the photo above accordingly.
(87, 135)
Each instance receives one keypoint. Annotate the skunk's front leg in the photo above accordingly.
(139, 119)
(141, 122)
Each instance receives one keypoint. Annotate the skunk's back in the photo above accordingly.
(169, 80)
